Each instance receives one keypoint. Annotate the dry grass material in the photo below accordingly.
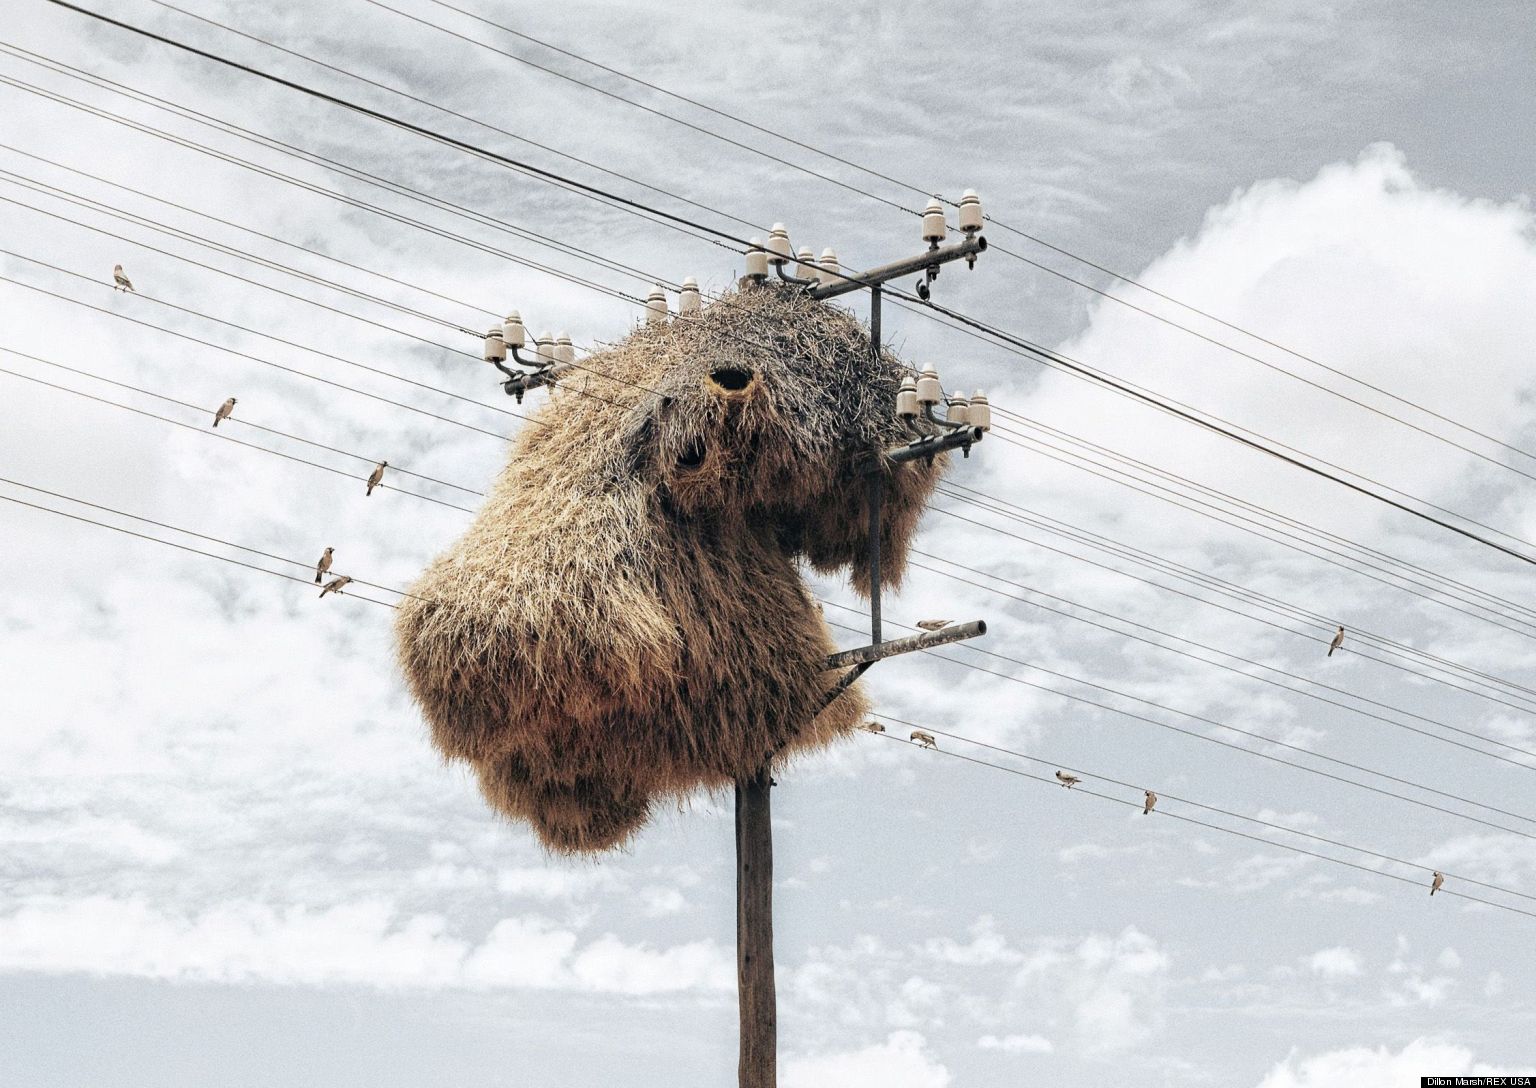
(625, 622)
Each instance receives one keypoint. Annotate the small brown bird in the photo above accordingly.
(873, 727)
(934, 625)
(1338, 640)
(925, 739)
(1067, 780)
(324, 564)
(1435, 884)
(120, 281)
(226, 410)
(377, 477)
(335, 585)
(1151, 802)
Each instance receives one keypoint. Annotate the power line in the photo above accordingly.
(1061, 361)
(1163, 795)
(189, 532)
(238, 421)
(181, 547)
(1214, 650)
(1015, 512)
(1233, 500)
(256, 358)
(1239, 593)
(924, 190)
(219, 434)
(397, 122)
(348, 171)
(1169, 407)
(1209, 739)
(452, 113)
(1218, 827)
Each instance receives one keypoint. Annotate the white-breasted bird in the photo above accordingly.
(1151, 802)
(377, 476)
(1338, 640)
(336, 584)
(324, 564)
(120, 280)
(1067, 780)
(925, 739)
(1434, 885)
(934, 625)
(226, 410)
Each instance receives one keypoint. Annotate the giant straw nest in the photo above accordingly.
(625, 620)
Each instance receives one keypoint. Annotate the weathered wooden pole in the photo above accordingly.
(756, 995)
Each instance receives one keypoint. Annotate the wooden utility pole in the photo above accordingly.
(757, 999)
(758, 1064)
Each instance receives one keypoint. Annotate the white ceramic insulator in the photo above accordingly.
(828, 271)
(495, 346)
(757, 260)
(928, 389)
(933, 222)
(970, 212)
(565, 351)
(512, 331)
(981, 411)
(906, 399)
(779, 250)
(656, 304)
(959, 410)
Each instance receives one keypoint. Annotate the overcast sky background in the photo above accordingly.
(228, 855)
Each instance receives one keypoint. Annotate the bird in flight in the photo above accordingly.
(226, 410)
(1067, 780)
(1338, 640)
(120, 281)
(1151, 802)
(925, 739)
(335, 585)
(377, 477)
(934, 625)
(1435, 884)
(324, 564)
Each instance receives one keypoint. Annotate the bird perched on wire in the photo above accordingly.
(1434, 885)
(925, 739)
(873, 727)
(120, 281)
(377, 477)
(324, 564)
(1150, 804)
(336, 585)
(934, 625)
(226, 410)
(1067, 780)
(1338, 640)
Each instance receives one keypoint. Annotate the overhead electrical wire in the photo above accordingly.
(1084, 700)
(765, 130)
(182, 547)
(210, 432)
(1238, 593)
(1164, 795)
(1119, 385)
(1227, 830)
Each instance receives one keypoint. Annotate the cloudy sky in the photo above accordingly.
(228, 855)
